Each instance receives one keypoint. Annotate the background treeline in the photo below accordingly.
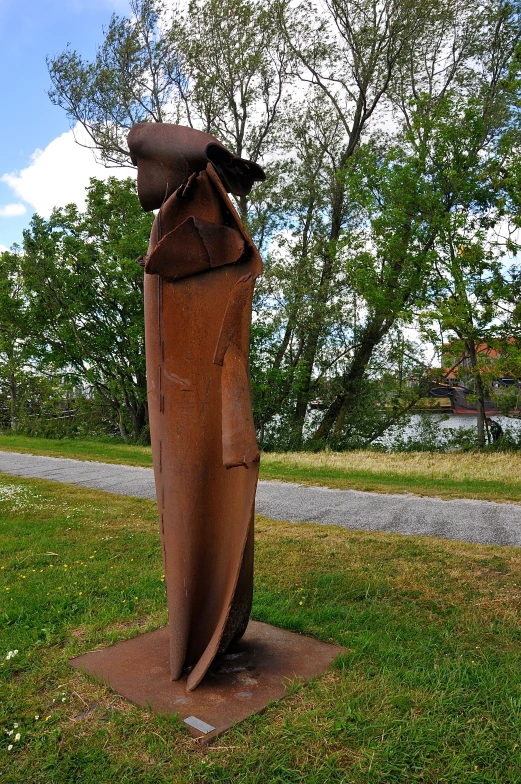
(71, 319)
(390, 134)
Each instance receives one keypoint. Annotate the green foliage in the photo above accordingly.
(86, 294)
(135, 74)
(389, 133)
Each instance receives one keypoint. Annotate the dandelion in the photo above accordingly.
(47, 718)
(300, 602)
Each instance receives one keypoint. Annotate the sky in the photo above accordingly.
(41, 166)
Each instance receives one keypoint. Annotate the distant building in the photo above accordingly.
(452, 384)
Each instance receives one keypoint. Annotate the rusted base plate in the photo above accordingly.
(238, 684)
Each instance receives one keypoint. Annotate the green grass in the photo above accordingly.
(393, 481)
(429, 689)
(493, 476)
(105, 451)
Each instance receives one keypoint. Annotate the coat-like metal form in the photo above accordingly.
(199, 276)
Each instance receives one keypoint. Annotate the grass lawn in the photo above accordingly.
(79, 449)
(494, 476)
(428, 691)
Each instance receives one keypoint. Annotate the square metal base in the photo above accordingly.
(239, 683)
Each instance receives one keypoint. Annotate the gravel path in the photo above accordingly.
(471, 521)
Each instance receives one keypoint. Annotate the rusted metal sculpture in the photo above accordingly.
(199, 276)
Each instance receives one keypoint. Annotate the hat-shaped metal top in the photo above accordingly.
(166, 155)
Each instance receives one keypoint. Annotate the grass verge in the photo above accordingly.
(493, 476)
(488, 476)
(79, 449)
(429, 689)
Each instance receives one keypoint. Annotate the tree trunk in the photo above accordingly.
(138, 415)
(304, 375)
(311, 346)
(13, 390)
(122, 428)
(243, 208)
(299, 418)
(479, 390)
(335, 415)
(261, 434)
(369, 337)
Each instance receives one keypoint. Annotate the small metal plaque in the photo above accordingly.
(198, 724)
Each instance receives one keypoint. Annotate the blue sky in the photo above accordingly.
(29, 31)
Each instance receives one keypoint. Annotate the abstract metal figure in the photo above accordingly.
(199, 276)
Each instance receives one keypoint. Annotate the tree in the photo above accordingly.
(470, 136)
(81, 275)
(15, 332)
(220, 67)
(348, 56)
(135, 77)
(455, 93)
(362, 113)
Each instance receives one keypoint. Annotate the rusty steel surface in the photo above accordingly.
(255, 671)
(200, 271)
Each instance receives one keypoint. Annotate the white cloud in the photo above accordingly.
(12, 210)
(59, 174)
(3, 248)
